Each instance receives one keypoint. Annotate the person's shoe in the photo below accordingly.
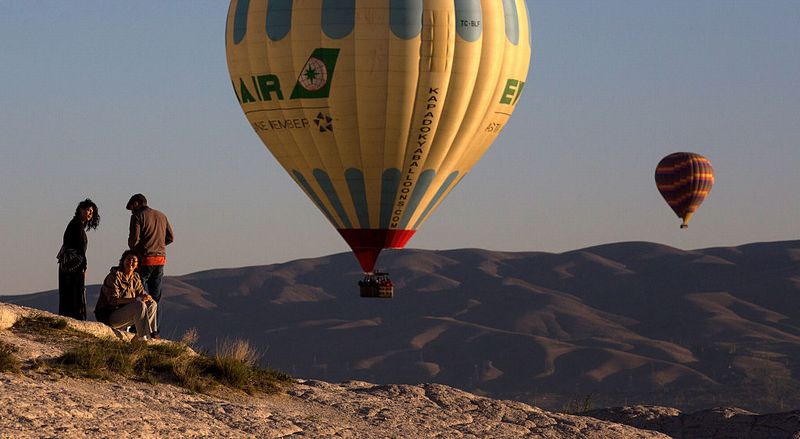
(143, 338)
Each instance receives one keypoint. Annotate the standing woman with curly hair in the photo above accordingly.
(72, 261)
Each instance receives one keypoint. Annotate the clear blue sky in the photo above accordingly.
(104, 99)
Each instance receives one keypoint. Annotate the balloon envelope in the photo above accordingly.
(377, 108)
(684, 180)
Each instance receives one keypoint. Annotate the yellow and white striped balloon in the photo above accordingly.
(377, 108)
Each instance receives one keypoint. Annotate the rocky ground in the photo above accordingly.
(38, 403)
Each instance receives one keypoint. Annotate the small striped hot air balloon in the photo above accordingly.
(377, 108)
(684, 180)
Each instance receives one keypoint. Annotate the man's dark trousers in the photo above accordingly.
(151, 278)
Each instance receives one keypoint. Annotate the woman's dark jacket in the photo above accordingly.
(75, 238)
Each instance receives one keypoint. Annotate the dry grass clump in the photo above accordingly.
(41, 324)
(577, 405)
(190, 337)
(234, 365)
(234, 361)
(103, 358)
(8, 361)
(53, 329)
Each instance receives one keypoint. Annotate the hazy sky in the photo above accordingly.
(104, 99)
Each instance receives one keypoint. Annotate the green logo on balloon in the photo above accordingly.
(315, 78)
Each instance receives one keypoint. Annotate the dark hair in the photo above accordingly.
(85, 204)
(125, 254)
(138, 198)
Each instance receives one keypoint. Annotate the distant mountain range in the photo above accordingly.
(617, 324)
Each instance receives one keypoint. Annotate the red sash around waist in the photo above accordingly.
(153, 260)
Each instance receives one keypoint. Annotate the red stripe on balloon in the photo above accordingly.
(368, 243)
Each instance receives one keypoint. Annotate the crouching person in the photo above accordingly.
(123, 301)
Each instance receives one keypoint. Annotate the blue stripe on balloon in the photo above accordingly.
(447, 182)
(423, 182)
(358, 193)
(279, 19)
(528, 21)
(390, 182)
(240, 21)
(327, 186)
(313, 195)
(512, 21)
(469, 19)
(405, 18)
(338, 18)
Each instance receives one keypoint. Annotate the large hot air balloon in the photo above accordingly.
(377, 108)
(684, 180)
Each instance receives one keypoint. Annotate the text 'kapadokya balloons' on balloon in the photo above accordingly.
(684, 180)
(377, 108)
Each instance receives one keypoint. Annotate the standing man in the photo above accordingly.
(150, 233)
